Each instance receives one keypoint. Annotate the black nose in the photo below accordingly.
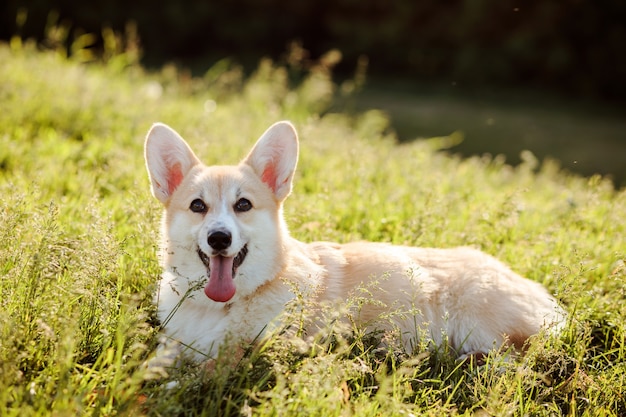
(219, 240)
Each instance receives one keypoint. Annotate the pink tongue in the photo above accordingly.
(221, 286)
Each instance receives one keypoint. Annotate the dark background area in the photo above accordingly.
(478, 58)
(573, 46)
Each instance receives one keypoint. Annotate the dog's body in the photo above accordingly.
(225, 223)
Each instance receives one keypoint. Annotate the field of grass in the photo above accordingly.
(79, 236)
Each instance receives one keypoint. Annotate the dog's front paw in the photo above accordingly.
(476, 358)
(166, 357)
(225, 360)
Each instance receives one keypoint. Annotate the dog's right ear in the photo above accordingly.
(168, 159)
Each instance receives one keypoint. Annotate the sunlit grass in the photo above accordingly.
(79, 233)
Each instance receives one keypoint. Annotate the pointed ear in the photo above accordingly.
(274, 158)
(168, 159)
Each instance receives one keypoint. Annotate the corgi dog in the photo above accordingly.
(231, 266)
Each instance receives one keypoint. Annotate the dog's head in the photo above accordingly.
(223, 222)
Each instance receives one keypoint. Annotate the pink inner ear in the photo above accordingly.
(269, 177)
(174, 178)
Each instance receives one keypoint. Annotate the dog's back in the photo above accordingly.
(463, 294)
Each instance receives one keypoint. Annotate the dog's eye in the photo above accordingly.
(197, 206)
(243, 204)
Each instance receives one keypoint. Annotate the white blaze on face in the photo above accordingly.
(221, 285)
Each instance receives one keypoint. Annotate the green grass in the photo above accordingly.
(79, 233)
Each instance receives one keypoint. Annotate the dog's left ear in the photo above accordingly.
(274, 158)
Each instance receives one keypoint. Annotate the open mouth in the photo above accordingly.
(221, 271)
(241, 256)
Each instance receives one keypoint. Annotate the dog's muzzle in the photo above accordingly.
(241, 256)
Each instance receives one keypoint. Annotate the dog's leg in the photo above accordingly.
(229, 360)
(166, 356)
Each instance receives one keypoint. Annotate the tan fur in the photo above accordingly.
(459, 295)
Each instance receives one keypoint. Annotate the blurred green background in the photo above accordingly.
(548, 76)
